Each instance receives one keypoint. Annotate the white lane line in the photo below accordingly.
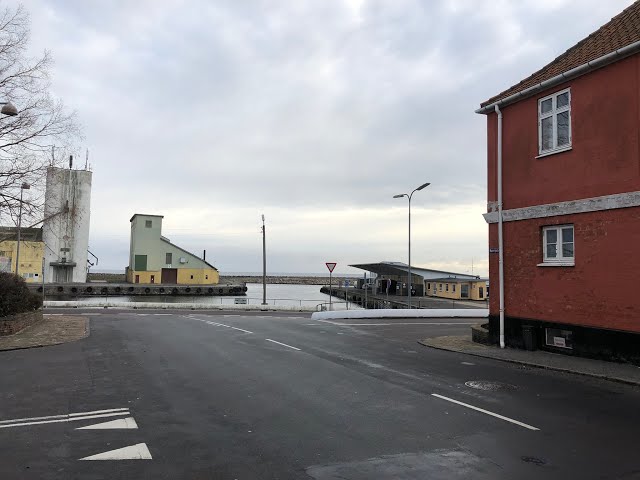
(162, 314)
(225, 326)
(283, 344)
(501, 417)
(120, 424)
(139, 451)
(241, 329)
(66, 415)
(53, 314)
(63, 420)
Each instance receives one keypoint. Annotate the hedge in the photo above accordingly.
(15, 296)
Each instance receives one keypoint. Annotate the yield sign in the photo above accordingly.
(331, 266)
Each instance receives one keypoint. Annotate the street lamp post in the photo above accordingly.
(23, 187)
(409, 198)
(264, 264)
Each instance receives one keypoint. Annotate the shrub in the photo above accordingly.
(15, 296)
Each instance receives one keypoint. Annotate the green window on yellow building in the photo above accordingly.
(140, 263)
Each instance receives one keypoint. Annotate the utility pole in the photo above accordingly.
(23, 187)
(264, 263)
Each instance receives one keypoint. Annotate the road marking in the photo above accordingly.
(15, 420)
(121, 423)
(91, 314)
(63, 419)
(283, 344)
(132, 452)
(53, 314)
(162, 314)
(223, 325)
(501, 417)
(242, 330)
(467, 363)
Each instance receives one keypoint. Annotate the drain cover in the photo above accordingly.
(489, 386)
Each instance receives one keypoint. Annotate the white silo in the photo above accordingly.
(65, 232)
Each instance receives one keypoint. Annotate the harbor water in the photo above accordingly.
(277, 295)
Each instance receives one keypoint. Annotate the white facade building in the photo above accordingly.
(65, 229)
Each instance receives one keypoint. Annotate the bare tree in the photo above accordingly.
(26, 139)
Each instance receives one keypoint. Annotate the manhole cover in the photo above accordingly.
(489, 386)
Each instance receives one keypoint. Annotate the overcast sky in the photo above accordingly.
(314, 113)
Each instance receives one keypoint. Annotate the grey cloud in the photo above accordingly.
(307, 105)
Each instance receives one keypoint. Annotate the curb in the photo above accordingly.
(541, 366)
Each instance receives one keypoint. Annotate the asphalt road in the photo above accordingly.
(279, 396)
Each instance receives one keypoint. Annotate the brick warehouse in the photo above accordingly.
(566, 143)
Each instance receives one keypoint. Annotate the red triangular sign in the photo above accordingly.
(330, 266)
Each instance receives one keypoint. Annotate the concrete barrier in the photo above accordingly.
(403, 313)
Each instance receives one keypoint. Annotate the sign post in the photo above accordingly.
(346, 294)
(365, 290)
(330, 266)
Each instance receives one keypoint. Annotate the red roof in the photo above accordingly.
(620, 31)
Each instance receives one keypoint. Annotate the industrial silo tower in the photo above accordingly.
(66, 224)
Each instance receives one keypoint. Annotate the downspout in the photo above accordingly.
(500, 240)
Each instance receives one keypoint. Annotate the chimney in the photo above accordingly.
(70, 162)
(204, 255)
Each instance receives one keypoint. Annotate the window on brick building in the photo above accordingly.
(558, 245)
(554, 122)
(454, 287)
(447, 287)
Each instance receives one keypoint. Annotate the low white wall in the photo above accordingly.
(404, 313)
(176, 306)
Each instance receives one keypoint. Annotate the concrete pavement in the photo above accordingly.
(228, 395)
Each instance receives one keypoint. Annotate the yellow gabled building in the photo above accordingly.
(153, 259)
(31, 252)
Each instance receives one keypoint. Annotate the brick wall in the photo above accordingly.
(605, 148)
(600, 291)
(14, 323)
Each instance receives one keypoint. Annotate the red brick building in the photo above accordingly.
(566, 143)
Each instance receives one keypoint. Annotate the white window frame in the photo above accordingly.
(554, 115)
(560, 260)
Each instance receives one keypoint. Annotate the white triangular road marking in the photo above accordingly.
(121, 423)
(132, 452)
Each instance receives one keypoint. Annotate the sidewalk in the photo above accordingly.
(618, 372)
(52, 330)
